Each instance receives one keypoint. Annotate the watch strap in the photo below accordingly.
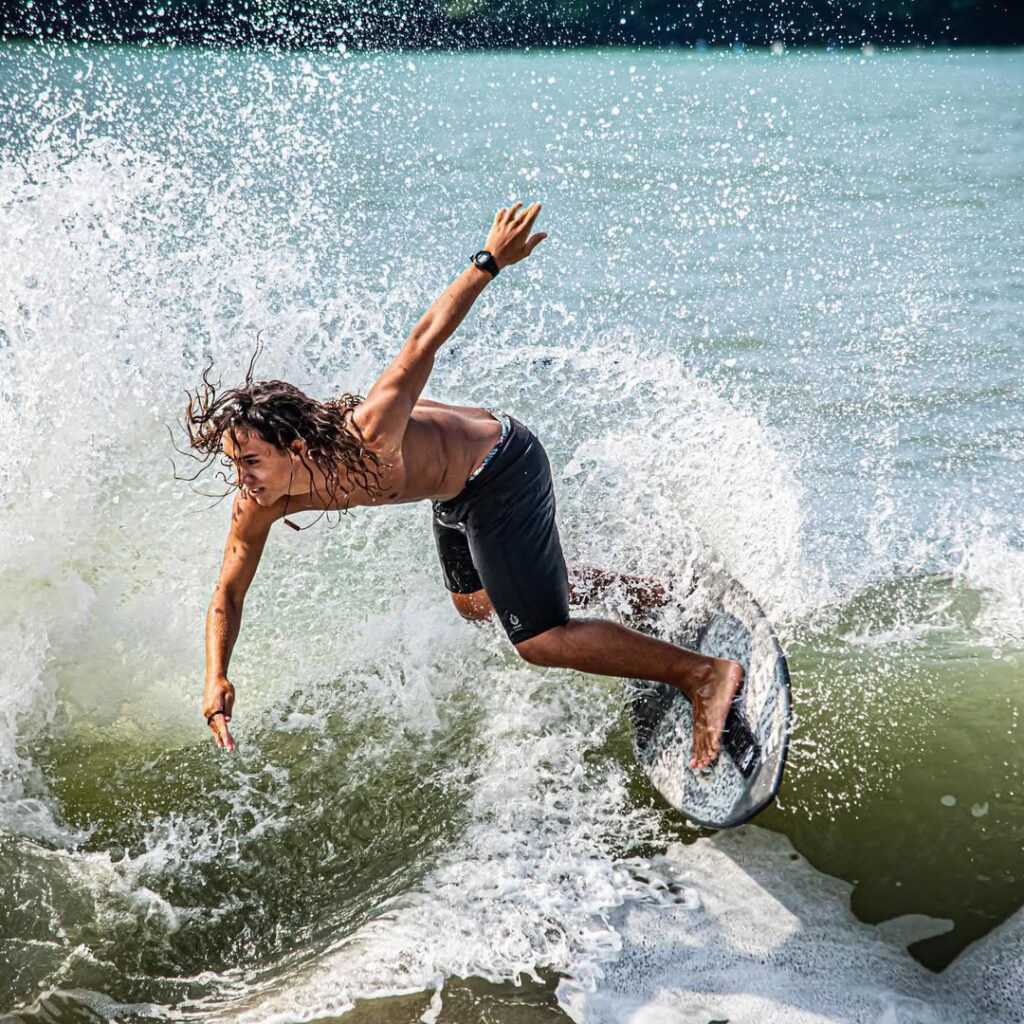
(490, 264)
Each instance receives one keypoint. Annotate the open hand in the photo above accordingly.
(509, 239)
(218, 700)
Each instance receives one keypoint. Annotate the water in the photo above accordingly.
(777, 321)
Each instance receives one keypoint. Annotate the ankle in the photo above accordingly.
(697, 677)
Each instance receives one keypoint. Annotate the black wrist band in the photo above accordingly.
(485, 261)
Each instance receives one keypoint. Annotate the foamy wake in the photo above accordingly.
(764, 937)
(737, 927)
(529, 881)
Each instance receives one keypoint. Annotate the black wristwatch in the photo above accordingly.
(485, 261)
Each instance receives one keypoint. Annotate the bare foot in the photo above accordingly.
(711, 703)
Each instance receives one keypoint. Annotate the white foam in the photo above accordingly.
(772, 940)
(654, 468)
(994, 566)
(688, 474)
(736, 927)
(525, 886)
(106, 316)
(987, 979)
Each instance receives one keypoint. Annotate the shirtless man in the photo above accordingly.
(490, 484)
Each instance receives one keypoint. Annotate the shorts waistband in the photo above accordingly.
(506, 429)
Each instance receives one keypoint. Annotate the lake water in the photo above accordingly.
(778, 321)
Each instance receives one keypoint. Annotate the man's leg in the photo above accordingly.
(644, 593)
(603, 647)
(516, 555)
(607, 648)
(475, 606)
(586, 586)
(460, 576)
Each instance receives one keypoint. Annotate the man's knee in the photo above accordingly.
(545, 649)
(475, 606)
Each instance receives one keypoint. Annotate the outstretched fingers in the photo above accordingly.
(529, 217)
(517, 214)
(510, 239)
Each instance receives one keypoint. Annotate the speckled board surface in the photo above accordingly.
(718, 617)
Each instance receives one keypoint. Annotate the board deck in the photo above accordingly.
(718, 617)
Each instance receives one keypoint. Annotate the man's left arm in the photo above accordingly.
(384, 414)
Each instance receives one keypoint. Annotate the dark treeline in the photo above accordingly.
(471, 24)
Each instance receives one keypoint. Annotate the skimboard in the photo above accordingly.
(718, 617)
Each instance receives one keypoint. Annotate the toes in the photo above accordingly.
(705, 752)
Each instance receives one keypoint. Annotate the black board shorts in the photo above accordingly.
(499, 535)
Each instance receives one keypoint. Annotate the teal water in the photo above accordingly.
(777, 321)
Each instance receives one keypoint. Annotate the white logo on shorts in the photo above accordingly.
(514, 620)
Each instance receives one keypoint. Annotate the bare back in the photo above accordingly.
(441, 447)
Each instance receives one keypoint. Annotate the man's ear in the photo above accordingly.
(297, 449)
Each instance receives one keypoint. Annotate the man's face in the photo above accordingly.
(264, 472)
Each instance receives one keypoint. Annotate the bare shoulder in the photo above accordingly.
(250, 521)
(386, 447)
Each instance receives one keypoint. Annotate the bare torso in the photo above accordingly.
(441, 447)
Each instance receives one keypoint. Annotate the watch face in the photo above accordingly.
(481, 258)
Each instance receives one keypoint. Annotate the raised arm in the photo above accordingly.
(250, 526)
(383, 416)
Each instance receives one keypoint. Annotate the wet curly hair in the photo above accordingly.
(280, 413)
